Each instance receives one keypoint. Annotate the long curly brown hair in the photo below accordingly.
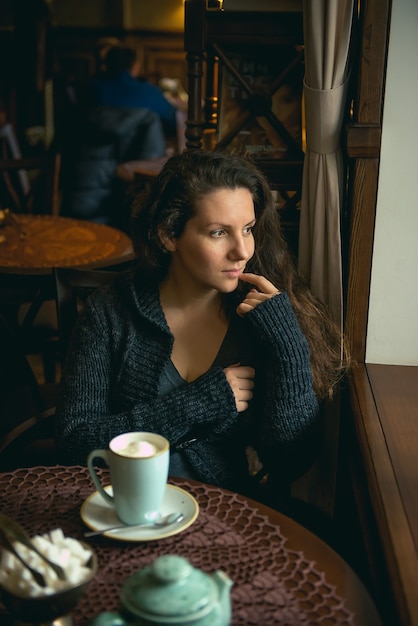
(171, 203)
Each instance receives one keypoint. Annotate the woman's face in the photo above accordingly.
(216, 243)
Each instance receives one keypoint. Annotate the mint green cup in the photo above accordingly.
(138, 463)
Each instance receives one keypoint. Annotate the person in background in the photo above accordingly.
(103, 46)
(122, 86)
(212, 339)
(117, 119)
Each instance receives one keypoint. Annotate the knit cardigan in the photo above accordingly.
(120, 346)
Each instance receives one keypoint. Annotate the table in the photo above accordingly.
(35, 244)
(137, 170)
(282, 573)
(147, 169)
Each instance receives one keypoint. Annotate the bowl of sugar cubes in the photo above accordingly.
(35, 603)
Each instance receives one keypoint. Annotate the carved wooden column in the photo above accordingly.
(211, 101)
(194, 45)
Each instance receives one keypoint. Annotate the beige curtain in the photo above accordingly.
(327, 32)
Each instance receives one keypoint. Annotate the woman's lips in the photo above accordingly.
(233, 273)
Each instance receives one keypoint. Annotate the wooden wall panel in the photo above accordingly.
(363, 151)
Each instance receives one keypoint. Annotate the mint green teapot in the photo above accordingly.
(171, 592)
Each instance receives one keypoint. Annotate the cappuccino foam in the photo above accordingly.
(138, 449)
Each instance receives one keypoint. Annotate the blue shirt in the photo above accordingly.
(124, 90)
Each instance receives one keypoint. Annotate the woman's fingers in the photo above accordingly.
(264, 291)
(241, 381)
(262, 283)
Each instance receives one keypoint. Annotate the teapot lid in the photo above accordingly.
(169, 588)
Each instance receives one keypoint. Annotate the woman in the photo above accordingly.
(212, 340)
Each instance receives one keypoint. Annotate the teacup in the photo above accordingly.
(138, 463)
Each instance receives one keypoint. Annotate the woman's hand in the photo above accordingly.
(264, 291)
(241, 380)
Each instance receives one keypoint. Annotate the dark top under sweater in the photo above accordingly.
(111, 384)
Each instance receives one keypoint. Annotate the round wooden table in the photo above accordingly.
(132, 171)
(282, 573)
(35, 244)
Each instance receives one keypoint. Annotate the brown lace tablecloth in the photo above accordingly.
(266, 554)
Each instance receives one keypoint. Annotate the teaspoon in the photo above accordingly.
(171, 518)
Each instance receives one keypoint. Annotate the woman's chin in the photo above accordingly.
(229, 286)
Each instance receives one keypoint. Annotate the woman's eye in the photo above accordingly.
(217, 233)
(248, 230)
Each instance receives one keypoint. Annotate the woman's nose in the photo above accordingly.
(240, 248)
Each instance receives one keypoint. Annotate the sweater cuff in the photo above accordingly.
(275, 322)
(209, 401)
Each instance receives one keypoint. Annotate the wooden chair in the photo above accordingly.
(26, 408)
(73, 286)
(27, 413)
(24, 303)
(42, 195)
(28, 183)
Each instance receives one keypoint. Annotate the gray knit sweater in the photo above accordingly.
(111, 384)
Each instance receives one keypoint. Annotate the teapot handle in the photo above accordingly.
(109, 618)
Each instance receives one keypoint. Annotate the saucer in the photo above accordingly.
(98, 514)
